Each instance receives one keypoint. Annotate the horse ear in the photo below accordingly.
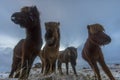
(34, 7)
(58, 23)
(88, 26)
(45, 23)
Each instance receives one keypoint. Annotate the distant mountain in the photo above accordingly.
(5, 59)
(80, 61)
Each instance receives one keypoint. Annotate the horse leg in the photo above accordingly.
(67, 68)
(43, 66)
(11, 73)
(46, 67)
(26, 66)
(15, 67)
(23, 69)
(17, 74)
(51, 65)
(54, 66)
(105, 68)
(74, 69)
(59, 67)
(94, 66)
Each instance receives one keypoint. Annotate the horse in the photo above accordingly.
(92, 52)
(51, 49)
(27, 49)
(69, 55)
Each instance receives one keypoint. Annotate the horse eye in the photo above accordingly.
(31, 14)
(31, 18)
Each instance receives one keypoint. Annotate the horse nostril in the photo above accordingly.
(13, 18)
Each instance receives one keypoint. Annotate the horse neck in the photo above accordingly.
(90, 43)
(34, 33)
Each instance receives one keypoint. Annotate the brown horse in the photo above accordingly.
(27, 49)
(51, 49)
(66, 56)
(92, 52)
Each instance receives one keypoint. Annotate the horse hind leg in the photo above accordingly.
(74, 69)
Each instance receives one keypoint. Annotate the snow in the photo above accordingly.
(83, 74)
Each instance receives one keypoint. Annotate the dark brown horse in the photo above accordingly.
(26, 50)
(51, 49)
(66, 56)
(92, 52)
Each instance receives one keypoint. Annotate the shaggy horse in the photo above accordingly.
(26, 50)
(92, 52)
(51, 49)
(66, 56)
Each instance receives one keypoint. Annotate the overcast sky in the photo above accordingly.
(73, 15)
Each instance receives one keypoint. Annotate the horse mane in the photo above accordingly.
(94, 28)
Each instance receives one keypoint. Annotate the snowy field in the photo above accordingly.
(83, 74)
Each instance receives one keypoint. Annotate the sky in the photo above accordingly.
(73, 15)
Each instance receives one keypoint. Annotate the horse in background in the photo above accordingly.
(51, 49)
(27, 49)
(69, 55)
(92, 52)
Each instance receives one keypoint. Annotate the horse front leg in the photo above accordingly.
(67, 68)
(105, 68)
(46, 67)
(54, 66)
(11, 73)
(15, 68)
(59, 64)
(94, 66)
(51, 66)
(26, 66)
(43, 66)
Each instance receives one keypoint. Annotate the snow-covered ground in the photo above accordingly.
(83, 74)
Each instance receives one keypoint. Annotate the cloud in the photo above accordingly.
(5, 59)
(7, 41)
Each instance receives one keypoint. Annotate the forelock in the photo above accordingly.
(94, 28)
(25, 9)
